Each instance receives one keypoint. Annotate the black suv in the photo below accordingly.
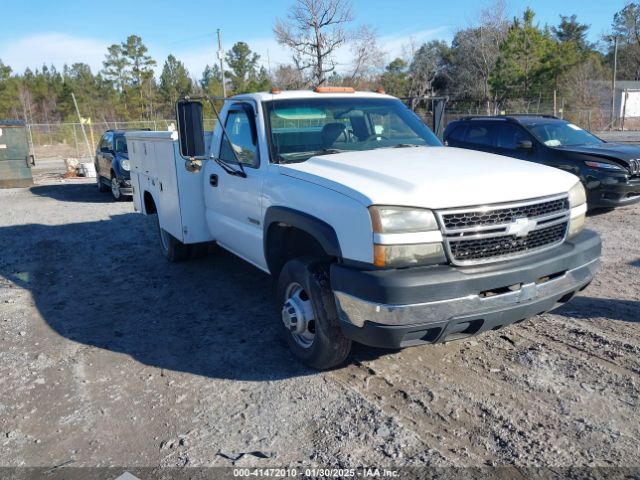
(609, 172)
(112, 165)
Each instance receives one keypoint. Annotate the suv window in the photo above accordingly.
(457, 134)
(509, 136)
(238, 127)
(480, 134)
(120, 144)
(107, 141)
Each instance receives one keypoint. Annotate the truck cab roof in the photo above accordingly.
(299, 94)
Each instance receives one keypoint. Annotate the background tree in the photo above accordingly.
(429, 65)
(245, 76)
(289, 77)
(314, 30)
(570, 31)
(626, 25)
(522, 67)
(141, 75)
(130, 69)
(174, 83)
(368, 58)
(474, 53)
(8, 93)
(395, 79)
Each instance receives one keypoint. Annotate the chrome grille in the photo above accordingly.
(466, 219)
(485, 234)
(634, 166)
(465, 250)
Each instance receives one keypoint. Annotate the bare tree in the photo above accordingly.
(368, 58)
(314, 30)
(429, 63)
(477, 49)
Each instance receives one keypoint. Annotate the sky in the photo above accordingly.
(64, 31)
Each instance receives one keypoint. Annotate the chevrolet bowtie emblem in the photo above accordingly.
(521, 227)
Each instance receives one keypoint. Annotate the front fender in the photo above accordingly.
(318, 229)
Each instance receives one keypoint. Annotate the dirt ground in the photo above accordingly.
(110, 356)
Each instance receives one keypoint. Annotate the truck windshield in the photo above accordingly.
(559, 134)
(302, 128)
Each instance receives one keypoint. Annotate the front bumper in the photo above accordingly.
(608, 191)
(125, 186)
(401, 308)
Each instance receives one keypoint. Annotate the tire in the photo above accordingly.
(172, 248)
(116, 193)
(309, 318)
(100, 183)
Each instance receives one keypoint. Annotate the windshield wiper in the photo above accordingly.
(328, 151)
(407, 145)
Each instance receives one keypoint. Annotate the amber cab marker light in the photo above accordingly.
(334, 90)
(380, 90)
(378, 255)
(275, 90)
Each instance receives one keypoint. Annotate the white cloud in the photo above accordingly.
(52, 48)
(59, 48)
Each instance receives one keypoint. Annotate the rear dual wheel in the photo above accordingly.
(172, 248)
(176, 251)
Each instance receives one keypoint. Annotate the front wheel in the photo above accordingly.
(172, 248)
(100, 183)
(309, 314)
(115, 189)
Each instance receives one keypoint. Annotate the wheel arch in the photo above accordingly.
(149, 203)
(289, 233)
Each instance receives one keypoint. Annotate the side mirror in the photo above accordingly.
(190, 128)
(525, 145)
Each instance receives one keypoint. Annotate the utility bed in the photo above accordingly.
(158, 174)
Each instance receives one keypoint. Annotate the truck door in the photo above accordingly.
(233, 203)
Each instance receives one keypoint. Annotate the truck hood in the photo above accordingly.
(430, 177)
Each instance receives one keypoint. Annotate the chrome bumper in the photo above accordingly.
(356, 311)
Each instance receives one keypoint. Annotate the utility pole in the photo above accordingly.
(221, 57)
(613, 83)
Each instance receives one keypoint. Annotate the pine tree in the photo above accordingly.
(174, 82)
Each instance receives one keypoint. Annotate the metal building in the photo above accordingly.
(15, 161)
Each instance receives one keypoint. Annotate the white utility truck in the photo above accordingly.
(375, 232)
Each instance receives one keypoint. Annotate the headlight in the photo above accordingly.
(402, 220)
(602, 165)
(577, 195)
(578, 204)
(405, 237)
(125, 165)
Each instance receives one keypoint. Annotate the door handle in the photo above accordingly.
(213, 180)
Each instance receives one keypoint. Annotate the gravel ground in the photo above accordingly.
(110, 356)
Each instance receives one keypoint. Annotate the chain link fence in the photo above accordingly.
(75, 140)
(67, 140)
